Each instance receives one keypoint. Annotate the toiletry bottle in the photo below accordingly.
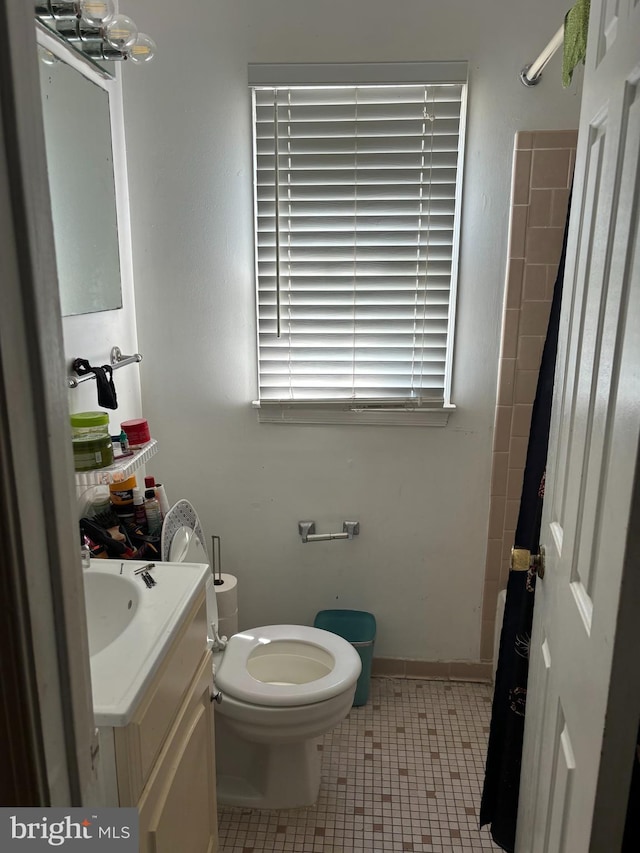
(124, 443)
(161, 496)
(85, 552)
(152, 511)
(137, 431)
(92, 447)
(139, 514)
(122, 498)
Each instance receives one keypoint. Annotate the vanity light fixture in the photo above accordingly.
(46, 56)
(94, 29)
(95, 12)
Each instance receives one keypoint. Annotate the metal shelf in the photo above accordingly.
(120, 470)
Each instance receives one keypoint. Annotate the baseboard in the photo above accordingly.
(442, 670)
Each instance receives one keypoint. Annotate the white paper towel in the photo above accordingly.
(227, 596)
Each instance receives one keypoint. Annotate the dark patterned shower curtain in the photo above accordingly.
(499, 806)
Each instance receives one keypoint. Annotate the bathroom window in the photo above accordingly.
(357, 179)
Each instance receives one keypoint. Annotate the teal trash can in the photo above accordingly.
(359, 628)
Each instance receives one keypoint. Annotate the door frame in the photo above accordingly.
(48, 663)
(623, 704)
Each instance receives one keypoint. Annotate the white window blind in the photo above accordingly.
(356, 231)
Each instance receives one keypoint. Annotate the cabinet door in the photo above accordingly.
(178, 806)
(138, 745)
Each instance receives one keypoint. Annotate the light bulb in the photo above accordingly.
(120, 32)
(95, 13)
(143, 49)
(46, 57)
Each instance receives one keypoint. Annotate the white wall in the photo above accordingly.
(421, 494)
(92, 336)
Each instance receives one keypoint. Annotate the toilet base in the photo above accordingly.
(265, 776)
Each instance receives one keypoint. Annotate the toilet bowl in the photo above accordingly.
(282, 686)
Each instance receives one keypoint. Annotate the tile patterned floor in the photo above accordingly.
(403, 773)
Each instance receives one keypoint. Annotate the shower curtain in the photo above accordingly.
(499, 805)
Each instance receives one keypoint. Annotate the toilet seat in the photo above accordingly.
(310, 651)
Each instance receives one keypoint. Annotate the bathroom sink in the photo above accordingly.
(111, 602)
(130, 628)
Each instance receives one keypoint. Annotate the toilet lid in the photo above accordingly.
(233, 675)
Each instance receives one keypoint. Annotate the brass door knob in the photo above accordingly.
(538, 562)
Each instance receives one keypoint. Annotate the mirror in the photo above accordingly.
(77, 127)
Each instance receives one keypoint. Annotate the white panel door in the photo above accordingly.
(582, 711)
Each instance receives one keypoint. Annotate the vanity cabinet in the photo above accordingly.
(178, 806)
(165, 762)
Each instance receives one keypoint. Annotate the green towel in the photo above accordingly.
(576, 27)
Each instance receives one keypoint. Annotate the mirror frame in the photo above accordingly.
(104, 79)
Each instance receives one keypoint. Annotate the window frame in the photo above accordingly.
(354, 74)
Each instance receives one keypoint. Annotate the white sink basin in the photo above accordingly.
(130, 628)
(111, 602)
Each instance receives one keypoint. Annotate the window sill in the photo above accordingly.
(285, 414)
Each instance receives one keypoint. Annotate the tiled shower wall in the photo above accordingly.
(542, 171)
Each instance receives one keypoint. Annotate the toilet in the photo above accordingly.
(279, 689)
(282, 687)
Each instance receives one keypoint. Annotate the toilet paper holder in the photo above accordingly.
(216, 560)
(307, 530)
